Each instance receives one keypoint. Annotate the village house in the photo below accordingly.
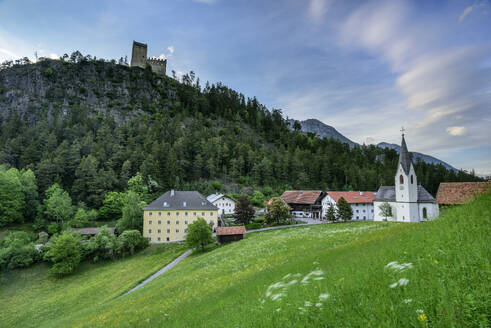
(226, 205)
(167, 218)
(361, 203)
(409, 201)
(304, 203)
(454, 193)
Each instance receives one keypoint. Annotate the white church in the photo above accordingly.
(409, 202)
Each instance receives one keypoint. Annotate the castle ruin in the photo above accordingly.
(139, 59)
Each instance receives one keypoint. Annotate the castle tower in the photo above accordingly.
(406, 187)
(139, 55)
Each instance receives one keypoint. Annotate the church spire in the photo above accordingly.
(404, 158)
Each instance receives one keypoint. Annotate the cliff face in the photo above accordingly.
(97, 85)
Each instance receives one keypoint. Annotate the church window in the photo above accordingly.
(425, 213)
(412, 179)
(401, 179)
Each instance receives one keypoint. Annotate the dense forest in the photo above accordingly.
(89, 125)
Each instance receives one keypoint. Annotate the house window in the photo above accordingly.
(160, 213)
(357, 217)
(357, 211)
(177, 213)
(160, 222)
(202, 213)
(185, 222)
(364, 218)
(184, 204)
(150, 222)
(168, 213)
(186, 214)
(425, 213)
(159, 231)
(149, 239)
(149, 230)
(194, 213)
(168, 222)
(177, 230)
(412, 179)
(401, 179)
(363, 211)
(186, 230)
(158, 239)
(167, 239)
(177, 222)
(168, 230)
(211, 214)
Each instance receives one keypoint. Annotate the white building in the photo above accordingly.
(226, 205)
(360, 201)
(409, 202)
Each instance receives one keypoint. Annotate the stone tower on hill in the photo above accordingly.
(139, 59)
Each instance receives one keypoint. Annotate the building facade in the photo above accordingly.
(304, 203)
(167, 218)
(225, 205)
(361, 203)
(409, 201)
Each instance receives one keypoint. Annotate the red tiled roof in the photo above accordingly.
(301, 196)
(227, 231)
(459, 192)
(353, 197)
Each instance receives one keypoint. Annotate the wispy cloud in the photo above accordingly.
(317, 9)
(456, 130)
(208, 2)
(469, 9)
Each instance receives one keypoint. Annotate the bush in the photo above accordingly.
(53, 228)
(102, 246)
(17, 251)
(199, 234)
(65, 252)
(131, 241)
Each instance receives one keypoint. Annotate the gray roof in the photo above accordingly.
(404, 158)
(388, 194)
(181, 200)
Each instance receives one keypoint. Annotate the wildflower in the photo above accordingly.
(407, 300)
(318, 304)
(420, 311)
(398, 267)
(277, 296)
(278, 310)
(422, 317)
(302, 309)
(323, 296)
(401, 282)
(307, 303)
(435, 261)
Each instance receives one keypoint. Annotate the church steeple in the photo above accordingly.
(404, 159)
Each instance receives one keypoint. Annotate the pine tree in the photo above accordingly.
(345, 212)
(243, 210)
(331, 213)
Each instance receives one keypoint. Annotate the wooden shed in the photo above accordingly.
(230, 234)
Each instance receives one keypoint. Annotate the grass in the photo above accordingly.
(33, 298)
(308, 276)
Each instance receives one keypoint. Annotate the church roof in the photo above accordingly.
(388, 194)
(404, 158)
(459, 192)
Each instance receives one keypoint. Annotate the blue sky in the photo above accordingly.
(366, 68)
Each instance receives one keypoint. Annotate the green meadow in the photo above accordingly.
(361, 274)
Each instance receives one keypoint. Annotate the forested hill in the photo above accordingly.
(90, 125)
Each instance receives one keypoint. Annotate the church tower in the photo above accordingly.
(406, 187)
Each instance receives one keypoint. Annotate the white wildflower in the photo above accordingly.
(407, 300)
(419, 311)
(319, 278)
(394, 285)
(398, 267)
(302, 309)
(401, 282)
(324, 296)
(318, 304)
(278, 310)
(307, 303)
(277, 296)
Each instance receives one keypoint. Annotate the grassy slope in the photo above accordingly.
(33, 298)
(228, 287)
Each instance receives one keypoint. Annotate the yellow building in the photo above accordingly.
(166, 219)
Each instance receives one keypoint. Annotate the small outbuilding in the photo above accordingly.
(230, 234)
(92, 231)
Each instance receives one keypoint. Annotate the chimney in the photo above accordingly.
(172, 193)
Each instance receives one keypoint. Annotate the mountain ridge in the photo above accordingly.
(326, 131)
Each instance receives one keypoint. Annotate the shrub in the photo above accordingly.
(131, 241)
(17, 251)
(103, 246)
(53, 228)
(65, 253)
(199, 234)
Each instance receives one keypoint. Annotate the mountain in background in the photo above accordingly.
(326, 131)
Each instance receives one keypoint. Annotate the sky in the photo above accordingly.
(365, 67)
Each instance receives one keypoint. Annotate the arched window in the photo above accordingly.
(401, 179)
(425, 213)
(412, 179)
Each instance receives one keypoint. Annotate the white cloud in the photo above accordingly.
(456, 130)
(171, 49)
(53, 56)
(208, 2)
